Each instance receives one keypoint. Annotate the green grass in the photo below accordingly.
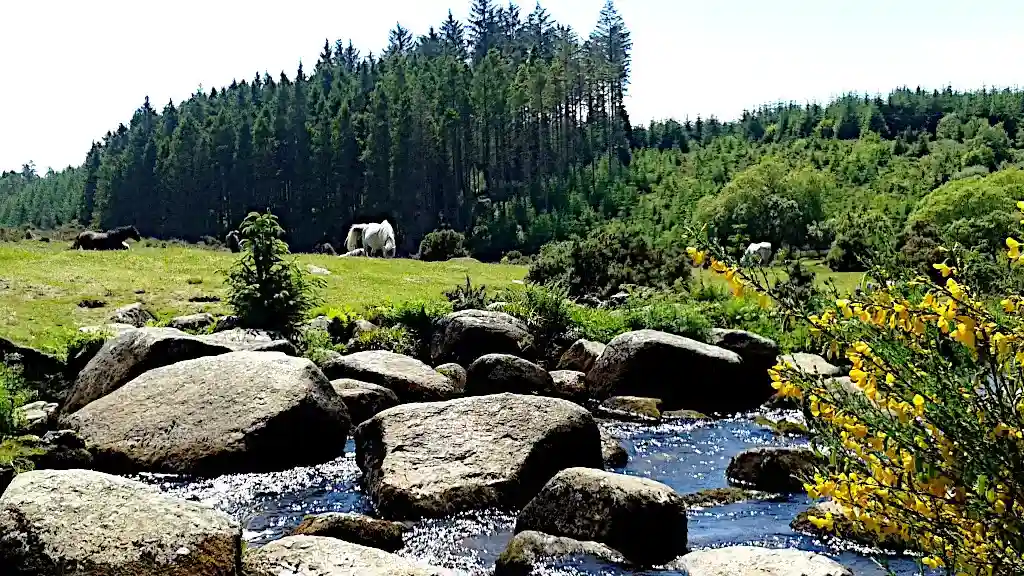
(845, 282)
(41, 285)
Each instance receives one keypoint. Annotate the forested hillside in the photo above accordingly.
(511, 128)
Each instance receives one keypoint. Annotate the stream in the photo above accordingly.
(688, 456)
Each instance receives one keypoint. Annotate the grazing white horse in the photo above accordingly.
(759, 253)
(375, 237)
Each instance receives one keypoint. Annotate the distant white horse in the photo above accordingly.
(759, 253)
(374, 237)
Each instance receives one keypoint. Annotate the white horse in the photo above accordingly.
(758, 253)
(374, 238)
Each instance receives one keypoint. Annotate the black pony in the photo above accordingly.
(109, 240)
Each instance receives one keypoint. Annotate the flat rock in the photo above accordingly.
(439, 458)
(236, 412)
(133, 314)
(632, 407)
(464, 336)
(772, 469)
(363, 399)
(319, 556)
(612, 452)
(192, 322)
(529, 548)
(755, 561)
(496, 373)
(112, 329)
(811, 364)
(355, 528)
(569, 384)
(249, 340)
(581, 356)
(643, 519)
(410, 379)
(132, 354)
(83, 522)
(682, 372)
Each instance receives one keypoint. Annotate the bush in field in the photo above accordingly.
(928, 446)
(442, 245)
(617, 254)
(13, 393)
(267, 289)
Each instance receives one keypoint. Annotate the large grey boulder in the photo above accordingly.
(363, 399)
(643, 519)
(439, 458)
(355, 528)
(569, 384)
(464, 336)
(410, 379)
(581, 356)
(237, 412)
(320, 556)
(132, 354)
(756, 561)
(771, 469)
(83, 522)
(529, 548)
(133, 314)
(496, 373)
(759, 354)
(682, 372)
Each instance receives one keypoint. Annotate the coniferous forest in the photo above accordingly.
(512, 129)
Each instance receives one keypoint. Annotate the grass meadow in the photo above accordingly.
(42, 285)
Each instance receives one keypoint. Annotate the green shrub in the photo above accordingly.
(668, 315)
(467, 296)
(267, 289)
(596, 324)
(317, 344)
(617, 254)
(418, 316)
(442, 245)
(395, 339)
(547, 312)
(13, 393)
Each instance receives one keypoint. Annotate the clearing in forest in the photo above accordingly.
(43, 286)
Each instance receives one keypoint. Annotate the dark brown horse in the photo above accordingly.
(110, 240)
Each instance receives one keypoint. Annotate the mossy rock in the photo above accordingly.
(632, 407)
(783, 427)
(722, 496)
(684, 415)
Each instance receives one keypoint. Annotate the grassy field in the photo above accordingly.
(845, 282)
(42, 285)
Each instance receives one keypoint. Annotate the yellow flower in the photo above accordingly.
(1008, 305)
(919, 404)
(945, 269)
(1014, 249)
(933, 562)
(826, 523)
(696, 255)
(764, 301)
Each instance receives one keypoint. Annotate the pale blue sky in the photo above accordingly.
(75, 69)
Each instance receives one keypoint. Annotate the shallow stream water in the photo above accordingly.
(688, 456)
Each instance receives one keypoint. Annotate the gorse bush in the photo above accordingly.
(927, 447)
(267, 289)
(442, 245)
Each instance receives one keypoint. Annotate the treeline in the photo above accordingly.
(496, 127)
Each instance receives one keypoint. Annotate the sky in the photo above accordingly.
(73, 70)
